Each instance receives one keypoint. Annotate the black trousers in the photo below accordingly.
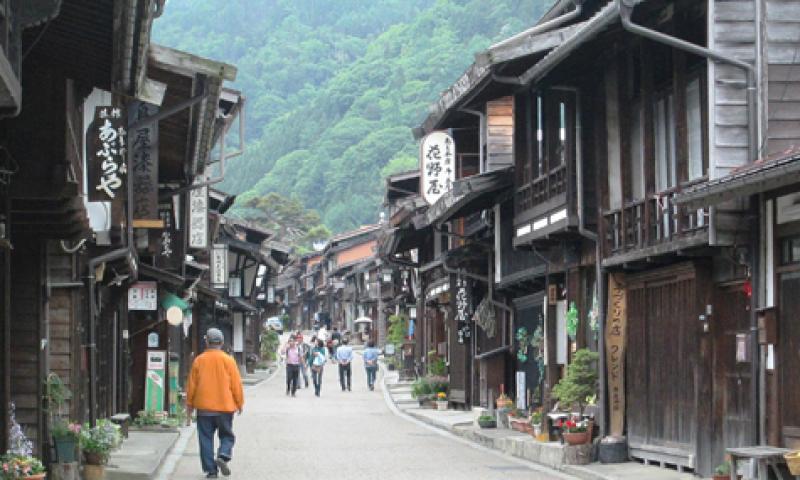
(345, 372)
(292, 377)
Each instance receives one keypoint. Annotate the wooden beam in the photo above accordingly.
(188, 64)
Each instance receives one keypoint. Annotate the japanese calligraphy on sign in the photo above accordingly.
(166, 244)
(437, 165)
(143, 296)
(219, 266)
(615, 350)
(144, 166)
(463, 309)
(106, 156)
(198, 218)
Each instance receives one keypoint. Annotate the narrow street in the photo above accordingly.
(346, 435)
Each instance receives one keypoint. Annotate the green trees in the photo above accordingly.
(580, 381)
(291, 222)
(334, 86)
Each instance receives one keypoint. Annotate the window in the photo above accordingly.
(694, 124)
(666, 165)
(790, 250)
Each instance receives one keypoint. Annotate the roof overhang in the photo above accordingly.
(760, 177)
(470, 195)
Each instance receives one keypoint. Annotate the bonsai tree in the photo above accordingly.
(580, 381)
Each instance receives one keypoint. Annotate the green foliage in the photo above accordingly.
(723, 469)
(270, 341)
(429, 385)
(436, 364)
(334, 86)
(398, 326)
(101, 439)
(580, 381)
(292, 223)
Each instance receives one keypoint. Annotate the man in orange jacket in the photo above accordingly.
(215, 391)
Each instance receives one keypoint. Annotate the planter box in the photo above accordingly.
(487, 423)
(441, 404)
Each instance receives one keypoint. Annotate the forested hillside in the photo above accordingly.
(333, 86)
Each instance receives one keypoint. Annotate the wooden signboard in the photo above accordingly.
(616, 327)
(144, 166)
(437, 164)
(106, 155)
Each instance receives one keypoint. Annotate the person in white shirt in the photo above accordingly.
(344, 357)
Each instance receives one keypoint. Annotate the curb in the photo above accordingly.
(454, 435)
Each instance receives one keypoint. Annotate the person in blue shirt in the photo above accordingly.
(344, 357)
(371, 363)
(318, 359)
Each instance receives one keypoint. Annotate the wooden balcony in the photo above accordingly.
(545, 207)
(651, 227)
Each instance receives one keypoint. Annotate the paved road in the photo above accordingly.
(346, 435)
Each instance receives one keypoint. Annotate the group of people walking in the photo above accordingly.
(301, 356)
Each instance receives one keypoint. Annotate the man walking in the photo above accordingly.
(294, 359)
(344, 356)
(215, 391)
(371, 363)
(305, 350)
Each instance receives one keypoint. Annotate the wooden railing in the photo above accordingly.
(650, 222)
(542, 189)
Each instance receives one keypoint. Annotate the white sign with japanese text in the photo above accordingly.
(437, 165)
(198, 218)
(143, 296)
(219, 266)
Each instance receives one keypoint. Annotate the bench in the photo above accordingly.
(766, 458)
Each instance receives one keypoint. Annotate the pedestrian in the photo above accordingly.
(318, 359)
(371, 363)
(344, 356)
(215, 392)
(294, 359)
(304, 351)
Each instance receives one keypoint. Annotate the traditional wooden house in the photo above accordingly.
(646, 100)
(69, 48)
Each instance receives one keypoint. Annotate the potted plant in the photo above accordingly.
(441, 401)
(722, 471)
(536, 424)
(580, 382)
(503, 402)
(575, 432)
(486, 421)
(421, 391)
(66, 437)
(15, 466)
(96, 444)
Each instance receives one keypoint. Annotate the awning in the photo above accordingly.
(161, 275)
(471, 195)
(363, 320)
(241, 305)
(399, 240)
(764, 175)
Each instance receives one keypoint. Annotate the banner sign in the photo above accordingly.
(144, 166)
(106, 167)
(437, 165)
(198, 218)
(616, 326)
(143, 296)
(167, 244)
(463, 309)
(155, 380)
(219, 266)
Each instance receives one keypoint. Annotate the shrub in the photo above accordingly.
(580, 381)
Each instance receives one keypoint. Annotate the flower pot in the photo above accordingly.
(487, 423)
(537, 430)
(66, 449)
(38, 476)
(517, 424)
(94, 472)
(720, 477)
(578, 438)
(543, 437)
(94, 458)
(441, 404)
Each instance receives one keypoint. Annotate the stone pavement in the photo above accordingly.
(348, 435)
(141, 455)
(462, 424)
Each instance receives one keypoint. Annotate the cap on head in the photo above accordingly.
(214, 337)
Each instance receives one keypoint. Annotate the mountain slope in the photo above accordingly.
(333, 86)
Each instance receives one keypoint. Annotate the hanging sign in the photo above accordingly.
(463, 309)
(219, 266)
(143, 296)
(198, 218)
(166, 244)
(144, 166)
(615, 351)
(437, 165)
(106, 167)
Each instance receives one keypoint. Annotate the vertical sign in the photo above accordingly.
(521, 391)
(166, 244)
(155, 381)
(144, 166)
(219, 266)
(616, 326)
(437, 165)
(463, 309)
(106, 156)
(198, 218)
